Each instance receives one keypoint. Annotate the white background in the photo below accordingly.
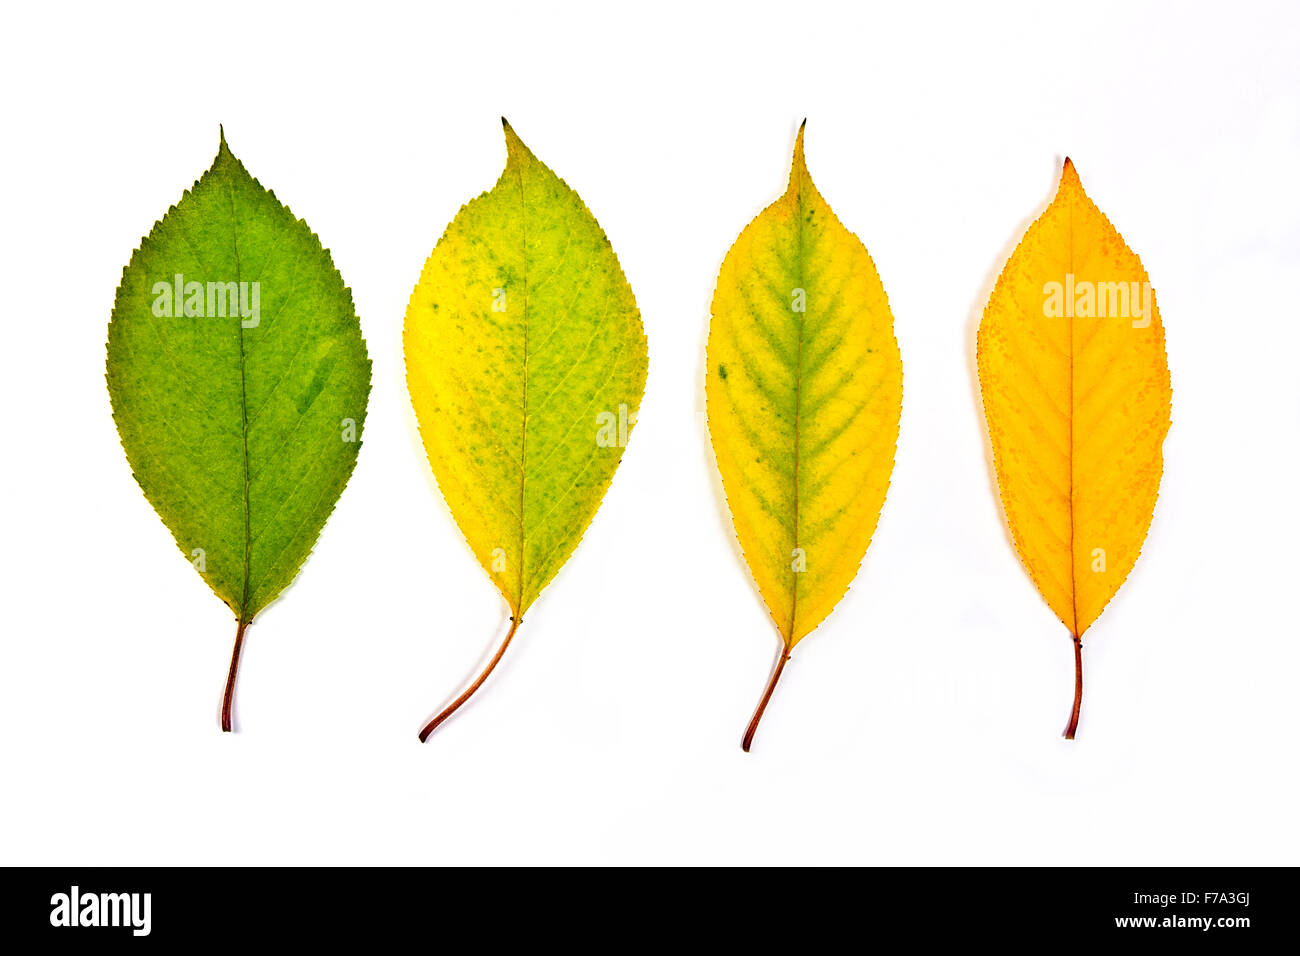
(921, 723)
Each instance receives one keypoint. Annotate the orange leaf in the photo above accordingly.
(1076, 395)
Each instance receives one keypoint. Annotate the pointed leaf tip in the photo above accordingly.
(1070, 175)
(224, 154)
(516, 151)
(798, 166)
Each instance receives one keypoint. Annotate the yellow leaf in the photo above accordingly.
(804, 390)
(1076, 394)
(526, 363)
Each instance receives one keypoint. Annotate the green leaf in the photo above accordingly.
(238, 378)
(526, 363)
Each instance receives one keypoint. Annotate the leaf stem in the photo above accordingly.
(228, 702)
(432, 725)
(762, 704)
(1073, 725)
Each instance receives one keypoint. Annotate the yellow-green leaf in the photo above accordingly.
(1076, 394)
(526, 362)
(804, 392)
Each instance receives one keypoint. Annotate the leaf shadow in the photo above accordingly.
(976, 313)
(505, 665)
(489, 648)
(722, 510)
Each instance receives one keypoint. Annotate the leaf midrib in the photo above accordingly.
(243, 411)
(1074, 586)
(523, 428)
(798, 393)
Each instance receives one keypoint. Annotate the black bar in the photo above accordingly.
(239, 906)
